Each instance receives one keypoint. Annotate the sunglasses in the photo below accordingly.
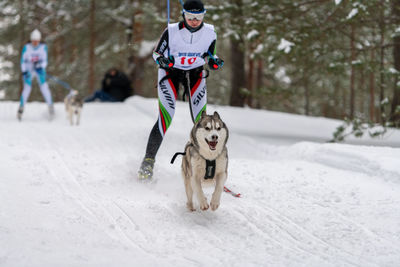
(194, 16)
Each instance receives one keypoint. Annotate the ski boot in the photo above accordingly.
(145, 172)
(51, 111)
(19, 113)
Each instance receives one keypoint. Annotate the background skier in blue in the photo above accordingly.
(33, 64)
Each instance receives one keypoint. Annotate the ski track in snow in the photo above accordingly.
(303, 204)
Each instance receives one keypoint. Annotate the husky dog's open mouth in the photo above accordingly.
(212, 144)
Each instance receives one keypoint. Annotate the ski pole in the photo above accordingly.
(168, 18)
(168, 12)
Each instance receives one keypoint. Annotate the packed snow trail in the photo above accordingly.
(69, 195)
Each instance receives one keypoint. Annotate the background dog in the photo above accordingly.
(207, 143)
(73, 106)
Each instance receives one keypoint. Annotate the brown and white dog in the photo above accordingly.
(73, 106)
(205, 161)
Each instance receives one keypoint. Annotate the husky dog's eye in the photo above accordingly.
(208, 128)
(218, 128)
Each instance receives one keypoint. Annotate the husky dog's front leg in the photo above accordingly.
(186, 174)
(70, 116)
(219, 187)
(78, 116)
(189, 194)
(196, 185)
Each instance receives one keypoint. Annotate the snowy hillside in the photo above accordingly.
(69, 195)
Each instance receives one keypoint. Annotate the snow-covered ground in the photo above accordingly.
(69, 195)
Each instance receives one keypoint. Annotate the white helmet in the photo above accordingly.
(36, 35)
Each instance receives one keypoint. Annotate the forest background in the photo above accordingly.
(332, 58)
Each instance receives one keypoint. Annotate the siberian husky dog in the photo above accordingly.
(205, 160)
(73, 106)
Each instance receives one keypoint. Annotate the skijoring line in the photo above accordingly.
(60, 82)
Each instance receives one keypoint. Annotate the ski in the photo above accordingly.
(227, 190)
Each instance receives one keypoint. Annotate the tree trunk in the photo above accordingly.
(382, 62)
(306, 93)
(130, 50)
(372, 90)
(395, 117)
(74, 47)
(92, 34)
(352, 77)
(361, 95)
(56, 59)
(250, 76)
(259, 83)
(337, 110)
(139, 61)
(22, 39)
(238, 73)
(344, 92)
(237, 58)
(135, 38)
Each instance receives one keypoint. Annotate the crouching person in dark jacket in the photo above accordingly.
(115, 87)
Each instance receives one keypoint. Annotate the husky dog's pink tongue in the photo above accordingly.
(212, 144)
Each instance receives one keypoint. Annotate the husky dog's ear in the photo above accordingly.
(216, 115)
(203, 114)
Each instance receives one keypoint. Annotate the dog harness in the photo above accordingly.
(210, 165)
(210, 169)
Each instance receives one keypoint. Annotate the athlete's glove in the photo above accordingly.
(25, 75)
(38, 66)
(166, 63)
(215, 63)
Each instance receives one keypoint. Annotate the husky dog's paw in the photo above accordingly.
(214, 205)
(190, 206)
(204, 205)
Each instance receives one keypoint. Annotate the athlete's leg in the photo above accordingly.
(167, 95)
(44, 87)
(154, 142)
(27, 79)
(198, 94)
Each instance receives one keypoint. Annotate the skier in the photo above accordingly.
(181, 53)
(33, 64)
